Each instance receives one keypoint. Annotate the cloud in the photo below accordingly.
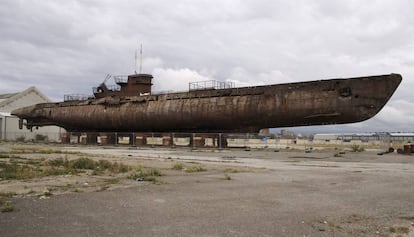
(175, 79)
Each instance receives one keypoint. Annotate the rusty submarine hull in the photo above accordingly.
(215, 106)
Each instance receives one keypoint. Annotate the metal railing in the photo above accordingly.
(110, 88)
(76, 97)
(121, 79)
(210, 85)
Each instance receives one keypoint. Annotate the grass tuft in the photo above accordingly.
(399, 230)
(59, 162)
(195, 169)
(84, 163)
(7, 207)
(20, 170)
(357, 148)
(178, 166)
(231, 170)
(4, 155)
(146, 175)
(7, 195)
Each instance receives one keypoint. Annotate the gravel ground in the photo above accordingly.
(242, 193)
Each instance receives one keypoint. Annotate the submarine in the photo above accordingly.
(211, 106)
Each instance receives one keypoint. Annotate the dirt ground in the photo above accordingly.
(183, 192)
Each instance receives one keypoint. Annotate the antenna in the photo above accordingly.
(140, 60)
(106, 78)
(135, 61)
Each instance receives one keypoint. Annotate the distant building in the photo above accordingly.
(9, 125)
(347, 136)
(402, 136)
(399, 136)
(286, 134)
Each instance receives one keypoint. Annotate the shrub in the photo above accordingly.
(178, 166)
(47, 193)
(59, 162)
(84, 163)
(16, 171)
(104, 164)
(357, 148)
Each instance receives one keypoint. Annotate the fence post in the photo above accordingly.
(193, 141)
(172, 140)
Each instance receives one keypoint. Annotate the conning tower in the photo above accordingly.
(132, 85)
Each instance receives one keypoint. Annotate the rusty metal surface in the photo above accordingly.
(131, 85)
(246, 109)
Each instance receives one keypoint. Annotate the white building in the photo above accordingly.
(9, 125)
(402, 136)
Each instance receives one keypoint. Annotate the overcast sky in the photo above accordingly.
(64, 47)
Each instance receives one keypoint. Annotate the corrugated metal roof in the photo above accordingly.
(402, 134)
(347, 134)
(393, 134)
(9, 98)
(6, 96)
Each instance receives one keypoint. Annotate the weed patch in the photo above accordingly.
(59, 162)
(231, 170)
(119, 168)
(6, 195)
(357, 148)
(21, 169)
(178, 166)
(47, 193)
(7, 206)
(112, 181)
(84, 163)
(18, 171)
(399, 230)
(195, 169)
(55, 172)
(146, 175)
(149, 172)
(191, 169)
(408, 218)
(20, 150)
